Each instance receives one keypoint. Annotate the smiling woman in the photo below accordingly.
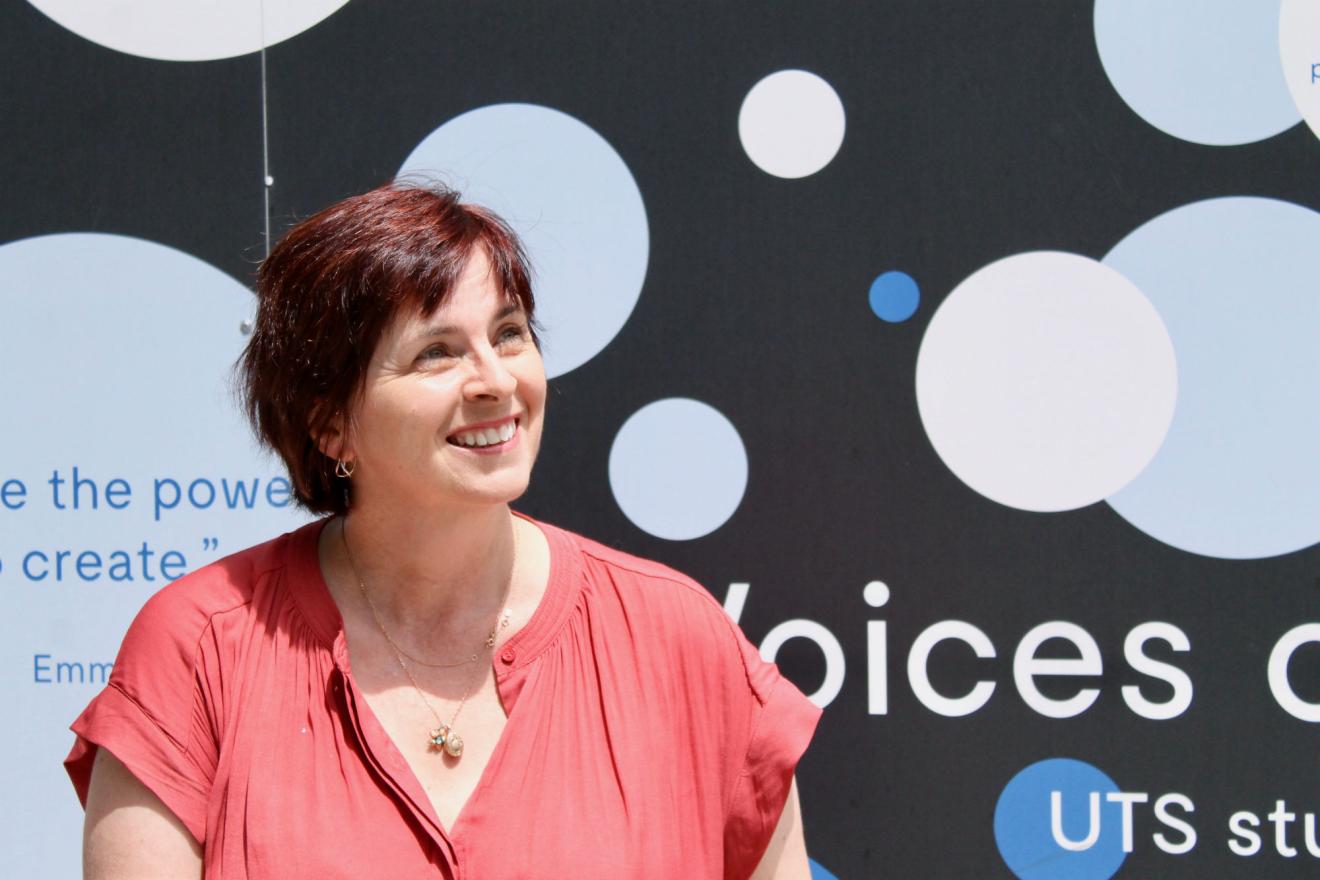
(423, 677)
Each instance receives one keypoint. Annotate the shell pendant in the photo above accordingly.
(445, 740)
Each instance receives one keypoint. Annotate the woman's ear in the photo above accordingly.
(333, 440)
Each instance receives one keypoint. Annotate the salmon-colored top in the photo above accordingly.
(646, 738)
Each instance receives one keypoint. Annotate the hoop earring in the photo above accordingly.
(345, 469)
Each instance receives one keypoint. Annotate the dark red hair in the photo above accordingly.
(328, 291)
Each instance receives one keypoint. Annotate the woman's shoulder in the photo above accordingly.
(675, 607)
(187, 605)
(639, 576)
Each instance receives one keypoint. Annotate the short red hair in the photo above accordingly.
(328, 291)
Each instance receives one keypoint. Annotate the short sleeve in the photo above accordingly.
(781, 727)
(156, 712)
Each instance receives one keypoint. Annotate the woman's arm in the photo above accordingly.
(786, 856)
(130, 833)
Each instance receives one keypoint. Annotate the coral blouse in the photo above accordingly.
(646, 738)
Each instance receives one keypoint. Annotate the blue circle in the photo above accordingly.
(1024, 830)
(894, 297)
(818, 871)
(1234, 279)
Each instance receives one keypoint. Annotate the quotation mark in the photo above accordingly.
(210, 543)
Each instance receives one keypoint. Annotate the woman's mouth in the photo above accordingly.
(487, 437)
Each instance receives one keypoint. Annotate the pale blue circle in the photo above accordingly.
(678, 469)
(819, 872)
(1205, 71)
(572, 200)
(1023, 831)
(894, 296)
(118, 355)
(1237, 283)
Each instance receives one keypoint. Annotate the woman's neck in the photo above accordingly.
(436, 572)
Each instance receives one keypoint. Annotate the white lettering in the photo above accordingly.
(1137, 659)
(1277, 671)
(919, 678)
(824, 639)
(1237, 826)
(1311, 845)
(735, 599)
(1187, 831)
(1056, 823)
(1281, 817)
(1026, 666)
(1127, 799)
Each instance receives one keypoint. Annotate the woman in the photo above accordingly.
(423, 683)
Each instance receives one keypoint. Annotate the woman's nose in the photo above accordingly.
(489, 377)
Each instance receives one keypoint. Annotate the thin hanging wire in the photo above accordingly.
(245, 327)
(266, 180)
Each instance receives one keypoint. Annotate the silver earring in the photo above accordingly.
(345, 469)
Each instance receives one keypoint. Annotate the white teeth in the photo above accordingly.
(486, 436)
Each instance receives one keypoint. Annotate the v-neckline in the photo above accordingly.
(514, 655)
(389, 760)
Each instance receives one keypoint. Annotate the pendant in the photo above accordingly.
(445, 740)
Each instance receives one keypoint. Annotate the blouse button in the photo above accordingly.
(508, 656)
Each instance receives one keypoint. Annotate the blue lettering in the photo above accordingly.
(242, 493)
(114, 490)
(13, 494)
(91, 565)
(159, 499)
(121, 566)
(89, 559)
(69, 671)
(192, 493)
(55, 482)
(61, 667)
(39, 668)
(145, 553)
(1315, 73)
(32, 576)
(172, 559)
(80, 483)
(278, 491)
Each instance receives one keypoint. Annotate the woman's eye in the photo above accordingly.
(512, 333)
(434, 352)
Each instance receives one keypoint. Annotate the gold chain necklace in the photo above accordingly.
(442, 737)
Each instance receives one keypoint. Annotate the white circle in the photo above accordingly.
(573, 202)
(678, 469)
(791, 123)
(876, 594)
(187, 30)
(1046, 381)
(1299, 49)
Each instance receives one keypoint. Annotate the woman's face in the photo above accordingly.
(453, 403)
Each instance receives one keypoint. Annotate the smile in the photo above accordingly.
(495, 434)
